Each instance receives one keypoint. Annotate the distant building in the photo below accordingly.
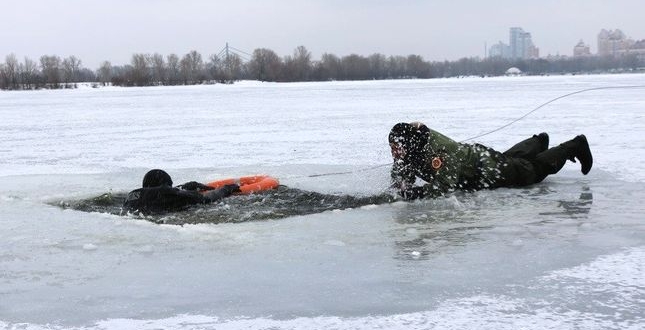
(520, 46)
(513, 72)
(500, 50)
(520, 43)
(637, 48)
(581, 49)
(613, 43)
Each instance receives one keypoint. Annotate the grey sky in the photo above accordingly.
(96, 30)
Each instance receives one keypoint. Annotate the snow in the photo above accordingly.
(564, 254)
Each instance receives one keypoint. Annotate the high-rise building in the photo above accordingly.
(500, 49)
(638, 48)
(520, 46)
(613, 42)
(515, 41)
(581, 49)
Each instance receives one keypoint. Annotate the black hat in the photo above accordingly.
(411, 138)
(155, 178)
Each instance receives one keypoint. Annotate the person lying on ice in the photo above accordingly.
(447, 165)
(158, 195)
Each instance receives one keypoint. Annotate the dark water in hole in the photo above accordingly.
(274, 204)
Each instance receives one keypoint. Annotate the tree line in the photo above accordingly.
(48, 72)
(51, 71)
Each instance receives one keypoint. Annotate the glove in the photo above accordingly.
(192, 185)
(224, 191)
(230, 189)
(412, 193)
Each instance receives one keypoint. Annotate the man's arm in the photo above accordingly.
(428, 190)
(193, 185)
(403, 180)
(401, 176)
(219, 193)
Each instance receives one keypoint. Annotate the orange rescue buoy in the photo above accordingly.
(248, 184)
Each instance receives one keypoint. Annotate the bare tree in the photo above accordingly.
(197, 66)
(105, 72)
(11, 71)
(289, 69)
(416, 67)
(184, 70)
(265, 65)
(355, 67)
(86, 75)
(227, 69)
(329, 67)
(121, 75)
(192, 67)
(378, 66)
(214, 67)
(71, 69)
(231, 69)
(396, 66)
(302, 63)
(173, 72)
(50, 68)
(4, 82)
(67, 71)
(140, 69)
(29, 72)
(158, 69)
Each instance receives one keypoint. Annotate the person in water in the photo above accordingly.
(159, 196)
(447, 165)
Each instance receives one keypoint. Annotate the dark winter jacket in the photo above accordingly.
(161, 199)
(446, 165)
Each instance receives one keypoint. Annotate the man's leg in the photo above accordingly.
(552, 160)
(517, 172)
(530, 147)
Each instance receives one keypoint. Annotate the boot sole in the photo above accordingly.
(544, 138)
(586, 159)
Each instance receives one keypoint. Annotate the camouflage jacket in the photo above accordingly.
(446, 166)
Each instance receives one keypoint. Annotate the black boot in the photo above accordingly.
(552, 160)
(579, 148)
(544, 141)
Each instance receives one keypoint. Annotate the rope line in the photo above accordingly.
(549, 102)
(348, 172)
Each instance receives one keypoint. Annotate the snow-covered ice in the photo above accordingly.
(564, 254)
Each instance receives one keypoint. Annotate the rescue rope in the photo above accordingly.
(548, 102)
(495, 130)
(348, 172)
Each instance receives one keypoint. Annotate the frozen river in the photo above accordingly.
(567, 253)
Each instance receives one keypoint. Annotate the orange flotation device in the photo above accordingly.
(248, 184)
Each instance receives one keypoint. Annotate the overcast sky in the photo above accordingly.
(98, 30)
